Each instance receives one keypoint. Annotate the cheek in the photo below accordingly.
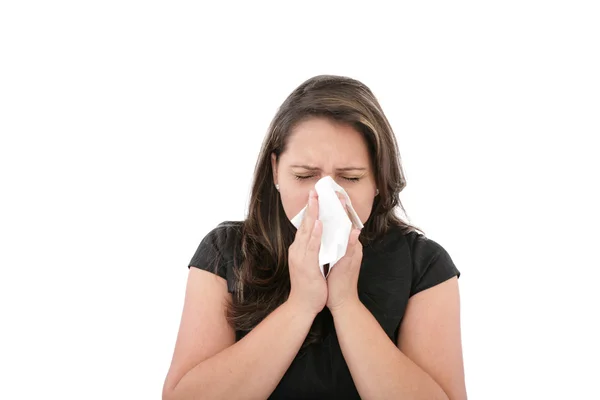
(293, 202)
(362, 205)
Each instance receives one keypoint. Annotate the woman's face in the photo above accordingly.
(319, 147)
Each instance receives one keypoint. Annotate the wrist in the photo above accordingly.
(300, 308)
(349, 305)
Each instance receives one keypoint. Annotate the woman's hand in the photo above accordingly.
(308, 287)
(342, 281)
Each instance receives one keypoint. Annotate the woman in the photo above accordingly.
(260, 320)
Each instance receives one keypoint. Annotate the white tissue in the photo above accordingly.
(337, 223)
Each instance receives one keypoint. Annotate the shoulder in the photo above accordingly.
(422, 247)
(427, 261)
(225, 236)
(431, 262)
(218, 249)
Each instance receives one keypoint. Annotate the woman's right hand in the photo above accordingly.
(308, 287)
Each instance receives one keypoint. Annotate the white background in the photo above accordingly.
(130, 129)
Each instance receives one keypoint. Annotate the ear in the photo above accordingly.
(274, 167)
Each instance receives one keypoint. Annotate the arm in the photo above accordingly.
(427, 364)
(208, 364)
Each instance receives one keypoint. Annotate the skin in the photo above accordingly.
(316, 148)
(425, 363)
(320, 147)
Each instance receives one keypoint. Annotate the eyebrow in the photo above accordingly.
(310, 168)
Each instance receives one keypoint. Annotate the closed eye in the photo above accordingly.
(304, 177)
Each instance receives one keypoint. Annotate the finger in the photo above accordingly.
(311, 215)
(305, 229)
(314, 242)
(313, 211)
(358, 248)
(352, 243)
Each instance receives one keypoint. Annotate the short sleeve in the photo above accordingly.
(432, 265)
(215, 252)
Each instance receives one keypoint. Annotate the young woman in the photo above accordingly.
(260, 320)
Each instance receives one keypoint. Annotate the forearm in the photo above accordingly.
(252, 367)
(379, 369)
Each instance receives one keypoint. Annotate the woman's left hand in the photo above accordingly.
(342, 282)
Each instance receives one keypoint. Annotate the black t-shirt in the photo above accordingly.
(393, 269)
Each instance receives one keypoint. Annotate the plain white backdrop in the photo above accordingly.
(129, 129)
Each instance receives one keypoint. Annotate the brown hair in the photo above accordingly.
(262, 280)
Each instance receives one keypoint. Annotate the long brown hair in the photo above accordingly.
(262, 280)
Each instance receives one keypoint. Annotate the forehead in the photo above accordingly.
(321, 141)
